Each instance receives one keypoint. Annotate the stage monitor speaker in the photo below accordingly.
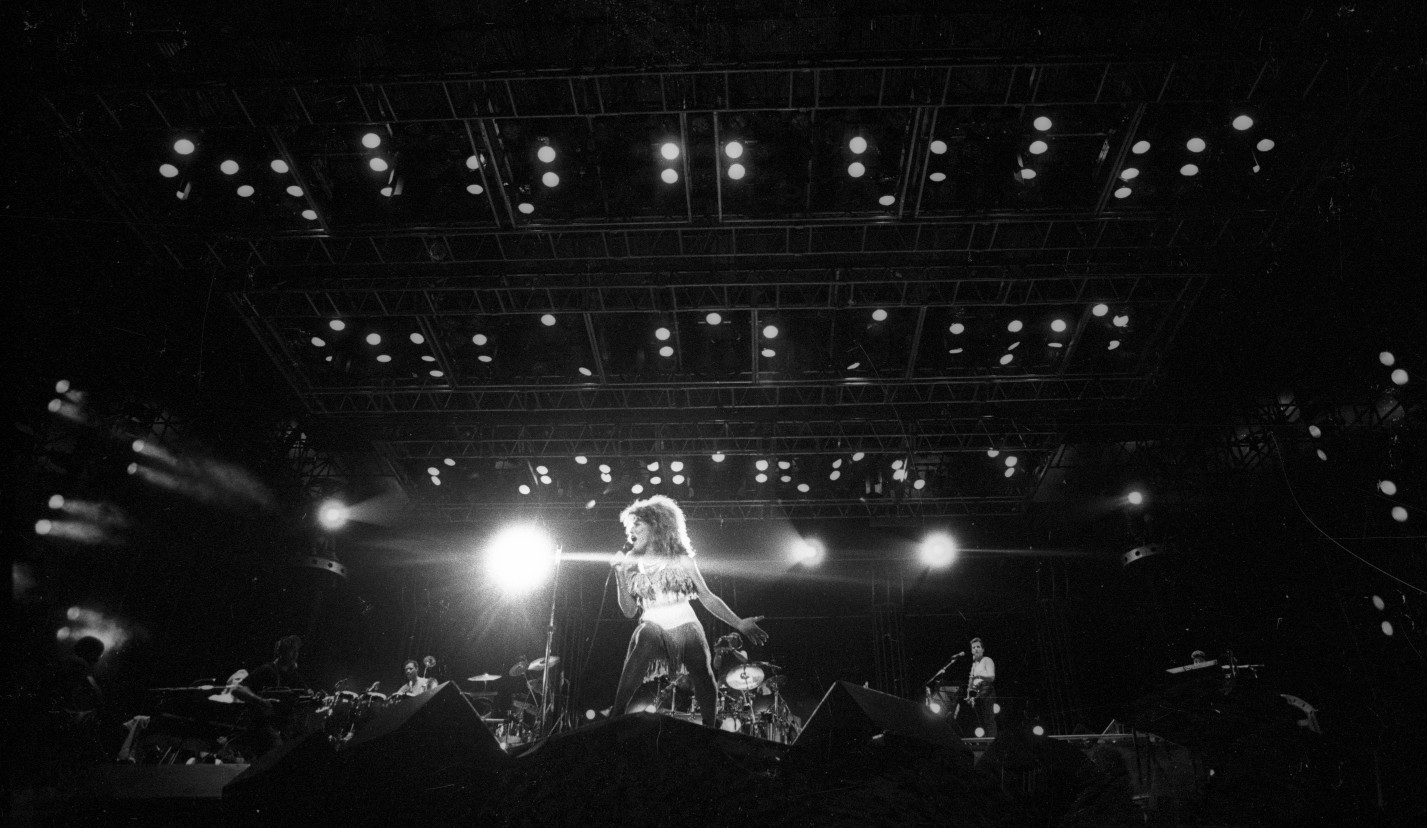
(850, 716)
(441, 718)
(292, 778)
(422, 759)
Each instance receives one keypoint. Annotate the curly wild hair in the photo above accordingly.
(669, 533)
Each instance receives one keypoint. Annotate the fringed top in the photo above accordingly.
(660, 581)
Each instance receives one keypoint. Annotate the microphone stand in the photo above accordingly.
(944, 668)
(939, 673)
(549, 641)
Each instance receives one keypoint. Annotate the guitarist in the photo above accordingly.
(980, 691)
(280, 673)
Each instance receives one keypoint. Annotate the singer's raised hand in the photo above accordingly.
(750, 629)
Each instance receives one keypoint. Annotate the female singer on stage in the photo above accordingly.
(659, 577)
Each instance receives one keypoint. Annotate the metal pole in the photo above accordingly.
(549, 640)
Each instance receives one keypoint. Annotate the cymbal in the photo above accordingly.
(484, 677)
(540, 664)
(766, 666)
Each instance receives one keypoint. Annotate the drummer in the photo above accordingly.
(728, 653)
(416, 684)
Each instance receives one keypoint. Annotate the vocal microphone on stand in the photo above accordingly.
(958, 655)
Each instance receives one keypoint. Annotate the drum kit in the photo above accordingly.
(750, 699)
(343, 711)
(520, 722)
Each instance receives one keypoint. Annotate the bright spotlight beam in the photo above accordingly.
(938, 550)
(333, 515)
(520, 558)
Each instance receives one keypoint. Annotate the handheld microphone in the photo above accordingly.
(618, 558)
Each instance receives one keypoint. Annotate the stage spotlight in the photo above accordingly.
(546, 154)
(278, 166)
(333, 515)
(733, 149)
(808, 551)
(525, 207)
(1195, 145)
(378, 164)
(371, 140)
(670, 176)
(938, 147)
(1265, 145)
(887, 200)
(519, 558)
(736, 172)
(1399, 514)
(183, 146)
(1243, 122)
(1038, 730)
(857, 456)
(1189, 170)
(713, 318)
(937, 177)
(1399, 376)
(879, 315)
(550, 179)
(770, 331)
(1135, 498)
(856, 169)
(669, 150)
(718, 457)
(938, 550)
(1140, 147)
(1038, 147)
(858, 145)
(1387, 487)
(1042, 123)
(245, 191)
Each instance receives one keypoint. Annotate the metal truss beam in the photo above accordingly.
(743, 437)
(849, 397)
(882, 508)
(956, 89)
(666, 292)
(1069, 239)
